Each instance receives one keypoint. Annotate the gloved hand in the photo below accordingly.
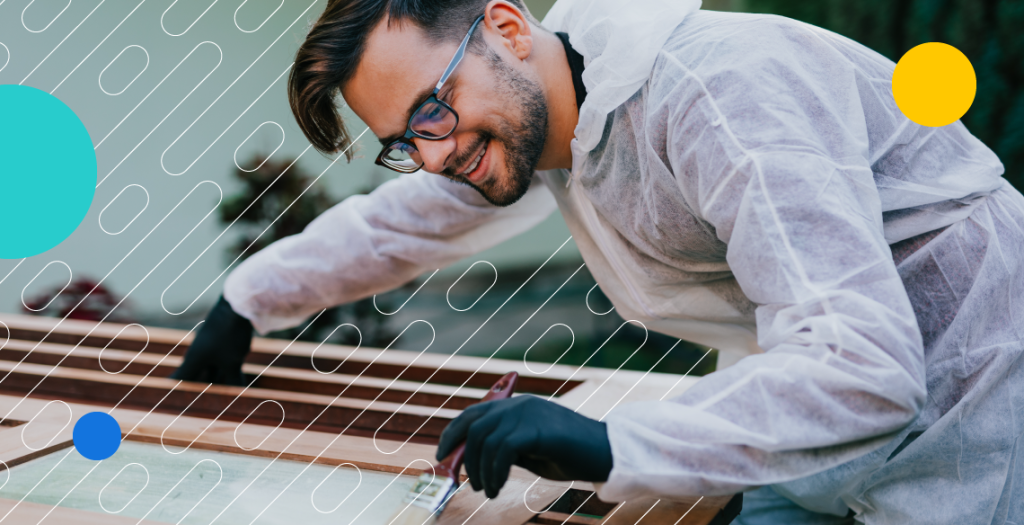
(538, 435)
(220, 347)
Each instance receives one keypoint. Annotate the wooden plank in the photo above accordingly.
(303, 392)
(24, 443)
(319, 447)
(517, 503)
(476, 372)
(71, 331)
(236, 403)
(310, 446)
(14, 512)
(276, 378)
(221, 435)
(390, 364)
(653, 511)
(412, 367)
(330, 449)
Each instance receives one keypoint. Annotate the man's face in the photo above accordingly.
(502, 112)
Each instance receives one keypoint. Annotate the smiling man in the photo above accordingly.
(502, 135)
(742, 181)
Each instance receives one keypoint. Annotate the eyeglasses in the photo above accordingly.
(432, 120)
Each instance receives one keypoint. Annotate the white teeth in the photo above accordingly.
(476, 162)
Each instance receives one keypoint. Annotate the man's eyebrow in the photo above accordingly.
(420, 97)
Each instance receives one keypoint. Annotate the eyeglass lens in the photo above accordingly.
(402, 157)
(431, 120)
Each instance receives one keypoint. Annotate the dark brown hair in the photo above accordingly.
(331, 52)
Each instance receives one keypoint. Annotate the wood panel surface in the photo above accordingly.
(376, 409)
(24, 512)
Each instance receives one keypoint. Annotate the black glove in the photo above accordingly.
(543, 437)
(220, 347)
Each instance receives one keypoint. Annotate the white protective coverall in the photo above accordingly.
(737, 181)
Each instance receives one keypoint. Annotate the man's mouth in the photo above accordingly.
(468, 173)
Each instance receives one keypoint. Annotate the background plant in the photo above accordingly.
(284, 200)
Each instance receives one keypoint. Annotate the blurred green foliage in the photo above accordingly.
(989, 32)
(539, 8)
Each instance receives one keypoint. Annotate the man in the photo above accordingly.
(742, 181)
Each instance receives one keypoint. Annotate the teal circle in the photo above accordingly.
(47, 171)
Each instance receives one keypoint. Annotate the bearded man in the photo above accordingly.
(742, 181)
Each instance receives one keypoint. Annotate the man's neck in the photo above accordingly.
(556, 77)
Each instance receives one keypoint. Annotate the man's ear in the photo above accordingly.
(511, 24)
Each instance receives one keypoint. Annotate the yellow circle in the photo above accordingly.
(934, 84)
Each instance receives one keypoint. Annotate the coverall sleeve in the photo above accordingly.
(368, 244)
(772, 154)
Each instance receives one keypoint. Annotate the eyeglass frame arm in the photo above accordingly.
(461, 52)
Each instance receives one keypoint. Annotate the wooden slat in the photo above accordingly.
(297, 445)
(276, 378)
(45, 435)
(440, 369)
(169, 395)
(640, 512)
(71, 331)
(513, 504)
(411, 366)
(26, 512)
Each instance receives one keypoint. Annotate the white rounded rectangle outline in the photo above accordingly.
(7, 338)
(47, 25)
(447, 295)
(312, 495)
(552, 365)
(271, 15)
(312, 355)
(247, 140)
(29, 424)
(99, 220)
(220, 471)
(70, 276)
(189, 26)
(99, 358)
(234, 435)
(8, 61)
(99, 80)
(99, 497)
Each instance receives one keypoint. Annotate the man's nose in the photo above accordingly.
(436, 154)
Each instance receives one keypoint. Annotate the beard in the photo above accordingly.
(522, 143)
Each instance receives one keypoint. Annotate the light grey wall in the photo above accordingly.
(173, 134)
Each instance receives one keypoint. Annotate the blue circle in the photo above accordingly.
(97, 435)
(47, 171)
